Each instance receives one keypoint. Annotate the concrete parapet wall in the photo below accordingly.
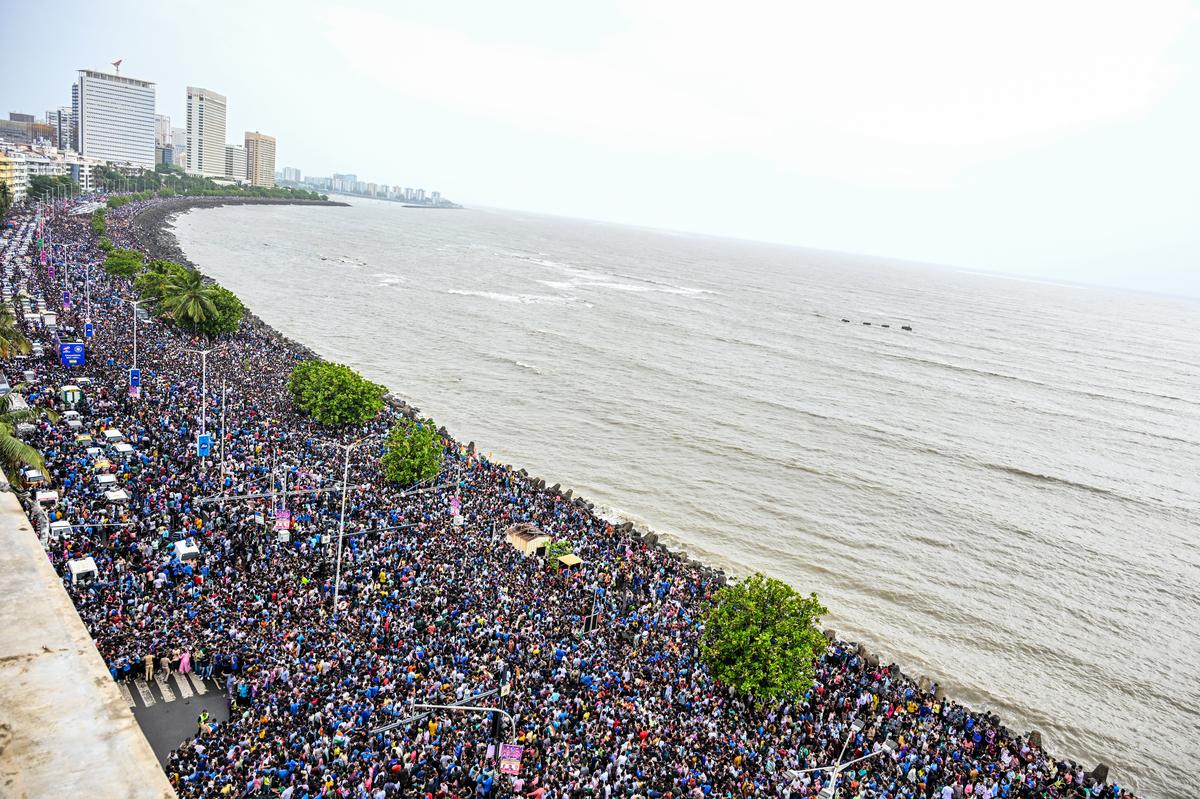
(64, 728)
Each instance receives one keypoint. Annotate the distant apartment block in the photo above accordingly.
(162, 130)
(235, 162)
(260, 159)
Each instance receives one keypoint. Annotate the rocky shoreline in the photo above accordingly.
(157, 237)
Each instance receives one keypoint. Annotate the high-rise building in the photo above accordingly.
(162, 130)
(115, 121)
(75, 117)
(66, 127)
(260, 158)
(60, 120)
(205, 132)
(235, 162)
(292, 175)
(14, 172)
(179, 147)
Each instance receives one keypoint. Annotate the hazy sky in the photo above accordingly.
(1058, 139)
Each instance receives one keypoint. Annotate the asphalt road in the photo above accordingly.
(167, 712)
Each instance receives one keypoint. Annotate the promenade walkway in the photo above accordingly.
(65, 729)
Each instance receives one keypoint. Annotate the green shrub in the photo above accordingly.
(762, 638)
(335, 394)
(414, 452)
(98, 226)
(123, 263)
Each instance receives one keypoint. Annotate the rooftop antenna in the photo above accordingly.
(117, 65)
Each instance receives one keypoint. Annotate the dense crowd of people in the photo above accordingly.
(433, 607)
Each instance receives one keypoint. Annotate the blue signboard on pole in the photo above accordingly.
(88, 330)
(203, 445)
(135, 378)
(70, 353)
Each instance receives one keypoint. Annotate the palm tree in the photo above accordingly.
(187, 299)
(15, 453)
(12, 340)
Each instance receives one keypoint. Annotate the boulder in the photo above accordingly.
(1100, 773)
(567, 494)
(924, 684)
(1035, 739)
(830, 635)
(651, 538)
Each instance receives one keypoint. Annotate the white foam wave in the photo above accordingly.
(526, 299)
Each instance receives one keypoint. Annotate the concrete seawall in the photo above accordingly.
(64, 728)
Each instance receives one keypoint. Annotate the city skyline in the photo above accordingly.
(868, 131)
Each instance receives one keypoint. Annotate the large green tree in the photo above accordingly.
(187, 300)
(12, 340)
(98, 224)
(123, 263)
(15, 453)
(335, 394)
(228, 316)
(152, 281)
(762, 638)
(5, 199)
(414, 452)
(42, 186)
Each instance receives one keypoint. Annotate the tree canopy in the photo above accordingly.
(123, 263)
(761, 637)
(42, 186)
(414, 452)
(335, 394)
(98, 225)
(186, 299)
(12, 340)
(15, 453)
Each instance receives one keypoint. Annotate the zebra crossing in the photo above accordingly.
(140, 693)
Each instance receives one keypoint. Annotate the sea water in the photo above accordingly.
(1004, 499)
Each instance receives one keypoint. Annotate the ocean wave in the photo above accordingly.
(525, 299)
(1049, 479)
(582, 277)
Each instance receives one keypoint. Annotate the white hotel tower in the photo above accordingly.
(205, 133)
(116, 118)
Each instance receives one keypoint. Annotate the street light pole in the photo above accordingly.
(337, 579)
(830, 790)
(222, 432)
(203, 385)
(134, 304)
